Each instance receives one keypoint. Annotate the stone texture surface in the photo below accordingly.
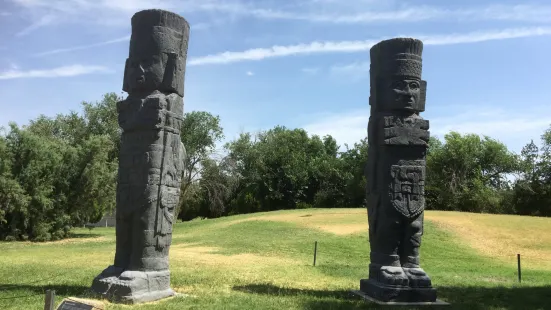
(150, 161)
(398, 140)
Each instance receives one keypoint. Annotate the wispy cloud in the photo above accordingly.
(513, 128)
(318, 47)
(65, 71)
(107, 12)
(250, 73)
(40, 22)
(83, 47)
(4, 13)
(409, 14)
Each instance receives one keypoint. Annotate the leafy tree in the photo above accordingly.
(200, 133)
(354, 161)
(468, 173)
(57, 173)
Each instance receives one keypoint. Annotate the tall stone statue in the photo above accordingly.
(398, 140)
(151, 159)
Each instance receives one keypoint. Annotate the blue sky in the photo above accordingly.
(305, 63)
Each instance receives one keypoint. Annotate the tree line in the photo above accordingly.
(61, 172)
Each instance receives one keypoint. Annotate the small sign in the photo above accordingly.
(74, 304)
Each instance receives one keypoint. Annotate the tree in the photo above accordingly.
(284, 168)
(200, 133)
(354, 160)
(468, 173)
(57, 173)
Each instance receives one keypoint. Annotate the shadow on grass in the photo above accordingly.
(473, 298)
(27, 290)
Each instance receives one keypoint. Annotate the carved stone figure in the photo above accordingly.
(151, 159)
(398, 140)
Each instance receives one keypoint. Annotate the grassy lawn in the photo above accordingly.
(264, 261)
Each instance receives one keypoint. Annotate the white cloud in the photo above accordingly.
(408, 14)
(39, 23)
(109, 12)
(83, 47)
(281, 51)
(511, 127)
(4, 13)
(250, 73)
(65, 71)
(318, 47)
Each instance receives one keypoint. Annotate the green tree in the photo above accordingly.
(468, 173)
(57, 173)
(201, 131)
(354, 161)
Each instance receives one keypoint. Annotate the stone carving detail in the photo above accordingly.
(150, 160)
(398, 139)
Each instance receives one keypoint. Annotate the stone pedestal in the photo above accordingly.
(142, 287)
(387, 293)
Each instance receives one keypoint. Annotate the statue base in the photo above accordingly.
(394, 294)
(366, 297)
(140, 287)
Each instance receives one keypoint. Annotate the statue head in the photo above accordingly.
(158, 51)
(396, 84)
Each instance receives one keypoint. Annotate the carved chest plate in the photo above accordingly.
(407, 189)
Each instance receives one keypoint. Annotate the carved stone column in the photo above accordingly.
(150, 160)
(398, 140)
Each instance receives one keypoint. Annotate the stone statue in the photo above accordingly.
(398, 140)
(151, 159)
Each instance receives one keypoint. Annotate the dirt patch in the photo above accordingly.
(343, 230)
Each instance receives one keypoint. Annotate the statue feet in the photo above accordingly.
(417, 277)
(391, 275)
(398, 284)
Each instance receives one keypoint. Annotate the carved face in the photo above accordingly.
(405, 93)
(145, 73)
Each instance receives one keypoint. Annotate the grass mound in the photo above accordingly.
(264, 261)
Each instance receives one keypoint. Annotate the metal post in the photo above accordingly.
(519, 271)
(50, 300)
(315, 252)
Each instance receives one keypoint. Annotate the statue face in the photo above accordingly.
(401, 93)
(405, 93)
(145, 73)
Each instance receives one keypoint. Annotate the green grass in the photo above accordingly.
(264, 261)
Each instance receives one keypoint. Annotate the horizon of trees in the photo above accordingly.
(60, 172)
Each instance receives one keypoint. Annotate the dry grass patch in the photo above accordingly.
(500, 236)
(202, 255)
(340, 222)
